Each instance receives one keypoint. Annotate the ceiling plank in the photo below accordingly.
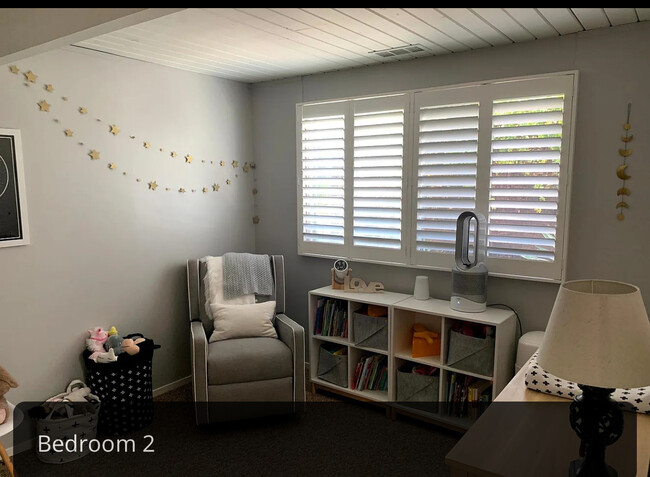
(532, 21)
(349, 23)
(447, 26)
(323, 24)
(643, 14)
(298, 40)
(500, 20)
(402, 35)
(475, 24)
(591, 18)
(420, 28)
(621, 16)
(562, 20)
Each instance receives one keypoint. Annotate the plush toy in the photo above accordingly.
(130, 346)
(6, 383)
(114, 341)
(95, 342)
(107, 357)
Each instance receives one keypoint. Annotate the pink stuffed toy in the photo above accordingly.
(95, 342)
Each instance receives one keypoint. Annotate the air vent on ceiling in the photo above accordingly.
(398, 51)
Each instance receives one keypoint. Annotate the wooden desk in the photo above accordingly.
(537, 440)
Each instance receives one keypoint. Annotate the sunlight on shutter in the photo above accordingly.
(378, 156)
(323, 166)
(448, 145)
(524, 177)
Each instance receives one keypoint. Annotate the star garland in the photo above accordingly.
(114, 129)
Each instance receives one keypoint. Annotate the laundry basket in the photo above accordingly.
(125, 388)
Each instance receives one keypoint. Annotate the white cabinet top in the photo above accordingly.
(381, 298)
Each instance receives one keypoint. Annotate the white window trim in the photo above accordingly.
(344, 251)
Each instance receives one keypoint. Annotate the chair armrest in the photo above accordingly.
(199, 371)
(293, 335)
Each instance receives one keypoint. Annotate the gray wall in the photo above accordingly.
(104, 249)
(614, 70)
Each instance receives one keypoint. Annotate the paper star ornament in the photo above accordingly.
(14, 69)
(235, 164)
(83, 110)
(115, 130)
(215, 187)
(147, 144)
(49, 88)
(44, 105)
(189, 159)
(94, 155)
(112, 166)
(153, 185)
(68, 132)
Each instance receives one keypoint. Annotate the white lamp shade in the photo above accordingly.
(598, 335)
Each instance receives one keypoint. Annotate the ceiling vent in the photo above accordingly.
(398, 51)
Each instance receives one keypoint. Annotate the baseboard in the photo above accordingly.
(171, 386)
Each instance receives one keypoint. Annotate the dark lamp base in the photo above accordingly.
(577, 468)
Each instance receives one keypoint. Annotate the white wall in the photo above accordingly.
(614, 70)
(105, 250)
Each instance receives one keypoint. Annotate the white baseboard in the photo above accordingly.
(171, 386)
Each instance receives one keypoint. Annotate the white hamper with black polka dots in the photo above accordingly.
(125, 388)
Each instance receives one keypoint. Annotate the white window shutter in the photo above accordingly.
(378, 182)
(322, 179)
(445, 175)
(529, 156)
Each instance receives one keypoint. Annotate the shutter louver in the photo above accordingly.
(323, 176)
(525, 177)
(378, 158)
(446, 183)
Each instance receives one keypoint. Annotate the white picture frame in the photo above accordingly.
(14, 226)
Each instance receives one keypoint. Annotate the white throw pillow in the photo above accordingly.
(243, 321)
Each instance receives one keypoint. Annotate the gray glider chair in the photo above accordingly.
(245, 377)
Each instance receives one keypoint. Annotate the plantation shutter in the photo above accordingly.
(378, 178)
(528, 169)
(322, 178)
(445, 176)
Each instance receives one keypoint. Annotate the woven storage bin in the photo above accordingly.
(68, 421)
(125, 388)
(371, 331)
(468, 353)
(332, 368)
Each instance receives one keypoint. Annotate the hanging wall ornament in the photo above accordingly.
(83, 110)
(68, 132)
(189, 159)
(31, 77)
(146, 145)
(621, 171)
(14, 69)
(112, 166)
(235, 164)
(153, 185)
(49, 88)
(215, 187)
(115, 130)
(174, 154)
(44, 106)
(94, 155)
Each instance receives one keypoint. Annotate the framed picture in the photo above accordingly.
(14, 229)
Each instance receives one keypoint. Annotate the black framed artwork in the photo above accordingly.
(14, 229)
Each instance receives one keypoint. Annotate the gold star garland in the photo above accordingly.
(44, 106)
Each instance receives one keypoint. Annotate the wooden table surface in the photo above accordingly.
(514, 438)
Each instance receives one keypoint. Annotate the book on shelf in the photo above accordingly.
(467, 395)
(371, 373)
(331, 318)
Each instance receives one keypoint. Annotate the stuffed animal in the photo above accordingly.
(131, 346)
(95, 342)
(6, 383)
(107, 357)
(114, 341)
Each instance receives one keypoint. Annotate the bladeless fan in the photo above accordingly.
(469, 276)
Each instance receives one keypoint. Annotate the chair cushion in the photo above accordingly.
(243, 360)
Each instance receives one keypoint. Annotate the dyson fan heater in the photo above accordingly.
(469, 276)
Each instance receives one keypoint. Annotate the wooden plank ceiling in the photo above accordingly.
(261, 44)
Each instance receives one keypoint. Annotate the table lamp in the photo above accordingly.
(598, 336)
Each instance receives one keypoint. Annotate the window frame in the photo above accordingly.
(554, 272)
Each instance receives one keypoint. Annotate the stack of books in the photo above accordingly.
(371, 373)
(331, 318)
(467, 396)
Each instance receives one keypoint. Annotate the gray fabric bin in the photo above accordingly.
(371, 331)
(418, 391)
(332, 368)
(468, 353)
